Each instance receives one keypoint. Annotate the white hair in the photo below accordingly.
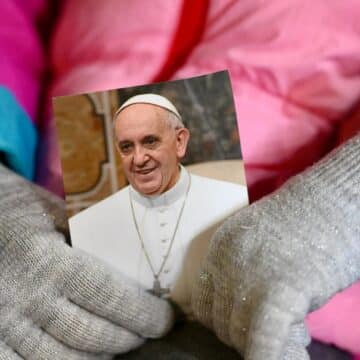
(174, 120)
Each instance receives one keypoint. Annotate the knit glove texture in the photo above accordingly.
(57, 302)
(283, 256)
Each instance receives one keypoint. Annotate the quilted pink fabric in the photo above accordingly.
(22, 54)
(116, 43)
(295, 70)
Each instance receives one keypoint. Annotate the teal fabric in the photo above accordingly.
(18, 135)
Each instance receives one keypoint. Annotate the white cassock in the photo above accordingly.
(107, 230)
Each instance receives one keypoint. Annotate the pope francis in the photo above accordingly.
(156, 230)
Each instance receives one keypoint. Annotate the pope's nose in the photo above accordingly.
(140, 157)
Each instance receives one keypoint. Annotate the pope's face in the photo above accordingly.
(150, 148)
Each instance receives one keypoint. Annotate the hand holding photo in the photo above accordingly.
(181, 182)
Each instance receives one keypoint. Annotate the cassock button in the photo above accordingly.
(166, 271)
(162, 209)
(164, 240)
(162, 224)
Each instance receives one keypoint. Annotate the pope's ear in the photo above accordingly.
(182, 139)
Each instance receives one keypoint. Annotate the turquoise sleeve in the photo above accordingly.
(18, 135)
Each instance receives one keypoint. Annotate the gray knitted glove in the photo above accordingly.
(57, 302)
(285, 255)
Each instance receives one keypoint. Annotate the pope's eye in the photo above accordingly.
(150, 141)
(125, 148)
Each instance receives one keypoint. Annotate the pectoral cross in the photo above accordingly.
(157, 289)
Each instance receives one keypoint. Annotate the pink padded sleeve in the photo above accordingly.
(295, 70)
(112, 44)
(22, 59)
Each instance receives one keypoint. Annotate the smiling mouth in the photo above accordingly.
(144, 171)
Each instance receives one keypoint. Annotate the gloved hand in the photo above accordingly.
(57, 302)
(283, 256)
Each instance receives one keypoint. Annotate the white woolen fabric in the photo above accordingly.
(282, 257)
(57, 302)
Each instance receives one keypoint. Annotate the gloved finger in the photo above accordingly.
(32, 343)
(298, 340)
(102, 291)
(271, 321)
(295, 352)
(85, 331)
(223, 304)
(299, 335)
(202, 298)
(7, 353)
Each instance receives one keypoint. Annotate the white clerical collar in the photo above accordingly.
(166, 198)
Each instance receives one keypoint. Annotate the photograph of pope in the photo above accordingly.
(156, 230)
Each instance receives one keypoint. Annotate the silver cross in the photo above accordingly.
(158, 290)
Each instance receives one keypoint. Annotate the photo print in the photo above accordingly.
(149, 174)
